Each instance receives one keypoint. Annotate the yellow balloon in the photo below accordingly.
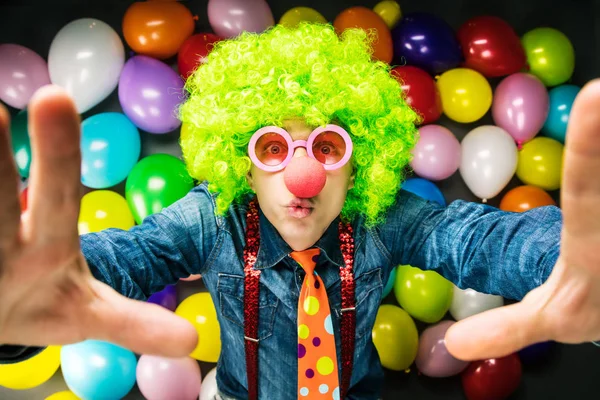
(200, 310)
(395, 337)
(64, 395)
(540, 163)
(103, 209)
(32, 372)
(297, 14)
(389, 11)
(466, 94)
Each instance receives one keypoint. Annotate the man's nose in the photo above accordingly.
(300, 152)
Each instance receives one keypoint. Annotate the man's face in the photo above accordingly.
(274, 197)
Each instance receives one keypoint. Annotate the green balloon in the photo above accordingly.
(550, 55)
(425, 295)
(395, 337)
(20, 143)
(156, 182)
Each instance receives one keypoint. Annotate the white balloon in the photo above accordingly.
(208, 390)
(86, 58)
(488, 161)
(470, 302)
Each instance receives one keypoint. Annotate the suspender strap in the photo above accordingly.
(348, 306)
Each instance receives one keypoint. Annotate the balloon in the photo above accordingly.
(168, 378)
(491, 46)
(389, 11)
(209, 390)
(422, 94)
(194, 51)
(425, 295)
(425, 189)
(390, 283)
(229, 18)
(426, 41)
(395, 337)
(433, 358)
(86, 58)
(294, 16)
(157, 29)
(103, 209)
(96, 370)
(524, 198)
(468, 302)
(366, 19)
(150, 93)
(31, 372)
(561, 102)
(489, 160)
(520, 106)
(466, 94)
(200, 310)
(495, 378)
(110, 147)
(22, 72)
(64, 395)
(540, 163)
(23, 199)
(436, 154)
(156, 182)
(21, 145)
(550, 55)
(536, 353)
(166, 298)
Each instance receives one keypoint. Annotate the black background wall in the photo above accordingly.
(571, 371)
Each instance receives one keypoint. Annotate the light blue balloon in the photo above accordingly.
(390, 283)
(561, 102)
(110, 147)
(96, 370)
(425, 189)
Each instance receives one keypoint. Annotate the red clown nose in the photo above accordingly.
(304, 177)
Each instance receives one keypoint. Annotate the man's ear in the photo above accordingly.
(250, 180)
(351, 184)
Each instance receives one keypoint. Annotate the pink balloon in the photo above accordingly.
(168, 378)
(436, 154)
(22, 72)
(521, 105)
(433, 359)
(229, 18)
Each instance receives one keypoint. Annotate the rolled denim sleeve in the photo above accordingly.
(474, 245)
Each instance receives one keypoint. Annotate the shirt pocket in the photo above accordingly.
(231, 297)
(369, 287)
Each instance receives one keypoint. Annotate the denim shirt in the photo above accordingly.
(473, 245)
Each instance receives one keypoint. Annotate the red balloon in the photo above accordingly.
(23, 199)
(194, 51)
(422, 94)
(492, 379)
(491, 46)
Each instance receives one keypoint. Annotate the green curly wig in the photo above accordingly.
(262, 79)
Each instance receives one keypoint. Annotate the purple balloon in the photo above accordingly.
(150, 93)
(426, 41)
(433, 359)
(521, 105)
(437, 153)
(22, 72)
(229, 18)
(166, 298)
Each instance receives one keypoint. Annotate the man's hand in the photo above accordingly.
(47, 293)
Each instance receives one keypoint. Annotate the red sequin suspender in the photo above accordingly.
(251, 296)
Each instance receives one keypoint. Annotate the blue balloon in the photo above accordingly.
(390, 283)
(96, 370)
(426, 41)
(425, 189)
(166, 298)
(561, 102)
(110, 147)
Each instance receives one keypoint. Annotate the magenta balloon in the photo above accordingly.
(433, 359)
(436, 154)
(520, 106)
(150, 93)
(22, 72)
(229, 18)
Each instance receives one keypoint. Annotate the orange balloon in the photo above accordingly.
(364, 18)
(525, 198)
(157, 28)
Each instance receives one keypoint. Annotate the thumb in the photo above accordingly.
(495, 333)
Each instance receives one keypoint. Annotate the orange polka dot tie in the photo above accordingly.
(317, 361)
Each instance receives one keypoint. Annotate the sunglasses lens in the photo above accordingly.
(271, 149)
(329, 147)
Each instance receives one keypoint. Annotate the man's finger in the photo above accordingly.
(10, 210)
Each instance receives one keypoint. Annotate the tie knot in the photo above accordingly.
(307, 258)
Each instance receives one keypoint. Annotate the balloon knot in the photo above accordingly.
(195, 18)
(519, 144)
(484, 201)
